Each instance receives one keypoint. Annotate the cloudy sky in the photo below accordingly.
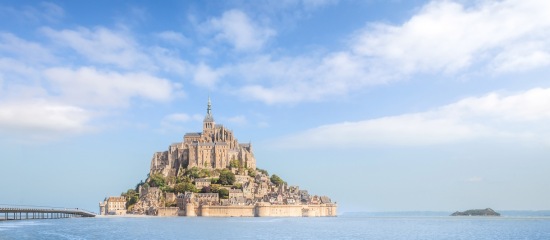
(382, 105)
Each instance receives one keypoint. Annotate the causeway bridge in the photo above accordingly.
(34, 212)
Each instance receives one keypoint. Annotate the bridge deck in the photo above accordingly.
(9, 213)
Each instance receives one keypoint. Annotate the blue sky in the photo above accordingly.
(382, 105)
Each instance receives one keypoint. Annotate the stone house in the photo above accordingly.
(113, 206)
(202, 182)
(234, 193)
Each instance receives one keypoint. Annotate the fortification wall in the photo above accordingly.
(322, 210)
(227, 211)
(167, 211)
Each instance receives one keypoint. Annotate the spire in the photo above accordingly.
(208, 117)
(209, 108)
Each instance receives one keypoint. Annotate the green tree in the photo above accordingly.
(226, 177)
(234, 163)
(277, 180)
(216, 173)
(185, 187)
(167, 189)
(184, 179)
(131, 198)
(224, 193)
(251, 172)
(157, 180)
(204, 173)
(170, 180)
(192, 172)
(262, 171)
(215, 188)
(206, 189)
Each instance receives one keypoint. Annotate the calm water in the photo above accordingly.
(343, 227)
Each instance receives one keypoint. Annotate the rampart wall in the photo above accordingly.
(261, 210)
(227, 211)
(167, 211)
(321, 210)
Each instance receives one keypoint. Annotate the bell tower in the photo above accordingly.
(208, 123)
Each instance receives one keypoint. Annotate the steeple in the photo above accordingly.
(209, 108)
(208, 123)
(208, 117)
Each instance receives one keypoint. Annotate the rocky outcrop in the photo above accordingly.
(477, 212)
(149, 201)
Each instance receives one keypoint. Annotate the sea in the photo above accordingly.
(346, 226)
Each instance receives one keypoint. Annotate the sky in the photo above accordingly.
(381, 105)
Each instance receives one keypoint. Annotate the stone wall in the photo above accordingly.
(321, 210)
(227, 211)
(167, 211)
(259, 210)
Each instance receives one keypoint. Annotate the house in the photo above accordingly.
(113, 206)
(202, 182)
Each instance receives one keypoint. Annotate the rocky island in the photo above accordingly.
(477, 212)
(210, 173)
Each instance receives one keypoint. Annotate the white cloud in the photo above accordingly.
(235, 27)
(291, 80)
(169, 61)
(173, 37)
(175, 122)
(522, 57)
(183, 117)
(123, 72)
(102, 45)
(29, 52)
(50, 11)
(443, 37)
(532, 105)
(206, 76)
(521, 116)
(240, 120)
(447, 36)
(88, 86)
(45, 12)
(313, 4)
(42, 119)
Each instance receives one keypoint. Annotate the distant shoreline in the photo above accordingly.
(505, 213)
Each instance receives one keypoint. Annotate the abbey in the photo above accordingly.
(213, 148)
(211, 174)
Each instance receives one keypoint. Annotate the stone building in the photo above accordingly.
(202, 182)
(113, 206)
(213, 148)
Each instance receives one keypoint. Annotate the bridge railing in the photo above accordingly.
(19, 212)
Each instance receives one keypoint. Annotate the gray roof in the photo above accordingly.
(206, 144)
(193, 134)
(325, 199)
(206, 194)
(208, 118)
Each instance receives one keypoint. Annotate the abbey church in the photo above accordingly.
(213, 148)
